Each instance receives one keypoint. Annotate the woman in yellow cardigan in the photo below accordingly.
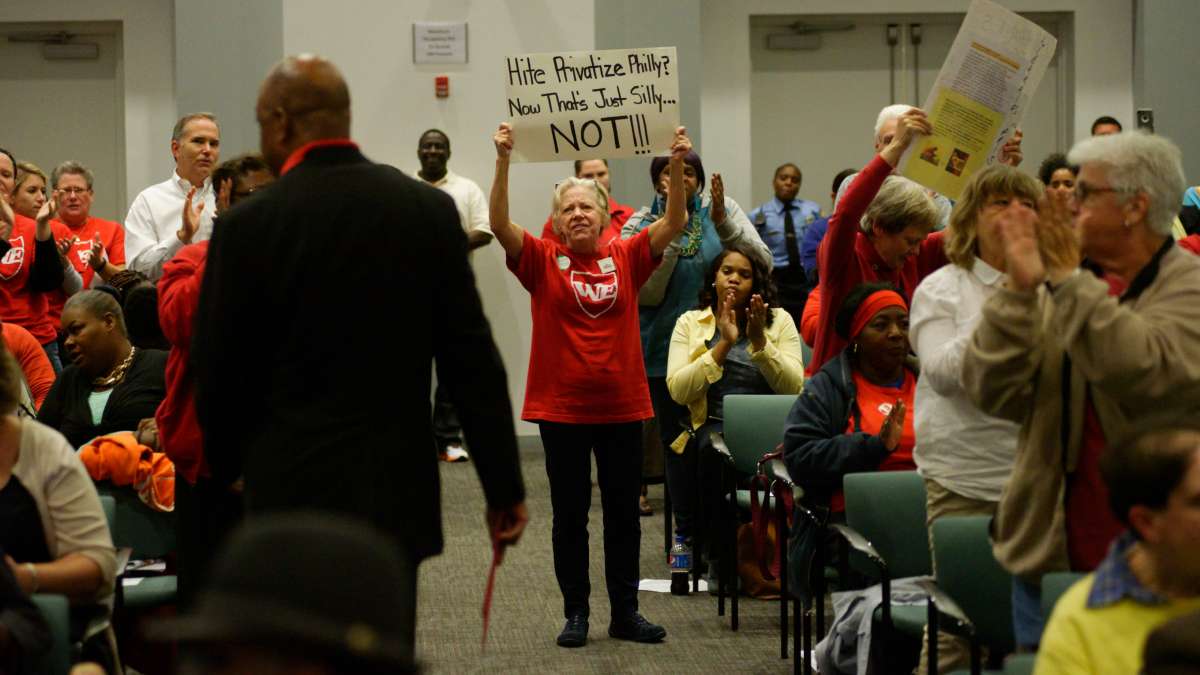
(736, 342)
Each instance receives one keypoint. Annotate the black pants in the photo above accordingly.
(681, 468)
(792, 287)
(446, 428)
(618, 449)
(207, 513)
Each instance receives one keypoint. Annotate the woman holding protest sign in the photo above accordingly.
(586, 388)
(714, 222)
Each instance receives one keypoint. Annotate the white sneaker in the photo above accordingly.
(454, 453)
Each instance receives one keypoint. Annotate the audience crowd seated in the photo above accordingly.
(714, 222)
(584, 300)
(1051, 320)
(111, 385)
(853, 415)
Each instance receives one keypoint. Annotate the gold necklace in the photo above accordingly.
(114, 378)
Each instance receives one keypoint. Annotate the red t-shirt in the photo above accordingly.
(617, 215)
(874, 403)
(1091, 525)
(585, 360)
(111, 234)
(18, 304)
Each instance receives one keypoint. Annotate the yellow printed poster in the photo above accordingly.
(962, 133)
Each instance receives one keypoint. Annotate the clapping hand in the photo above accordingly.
(893, 426)
(1058, 240)
(727, 321)
(191, 218)
(224, 195)
(1018, 231)
(97, 259)
(65, 245)
(717, 192)
(756, 322)
(503, 139)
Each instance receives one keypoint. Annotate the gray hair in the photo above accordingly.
(177, 133)
(70, 167)
(98, 303)
(888, 114)
(1139, 162)
(899, 204)
(600, 196)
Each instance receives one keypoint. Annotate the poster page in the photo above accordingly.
(604, 104)
(979, 98)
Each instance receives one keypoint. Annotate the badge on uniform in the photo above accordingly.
(563, 262)
(606, 265)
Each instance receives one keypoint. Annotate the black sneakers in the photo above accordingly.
(635, 628)
(574, 634)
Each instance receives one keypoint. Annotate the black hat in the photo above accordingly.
(318, 580)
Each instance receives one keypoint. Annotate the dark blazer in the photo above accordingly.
(307, 283)
(133, 400)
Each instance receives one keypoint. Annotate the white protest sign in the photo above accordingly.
(595, 104)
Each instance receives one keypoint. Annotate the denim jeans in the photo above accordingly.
(1028, 621)
(51, 349)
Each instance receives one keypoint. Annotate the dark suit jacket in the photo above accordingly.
(307, 284)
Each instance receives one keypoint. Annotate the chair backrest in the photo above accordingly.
(150, 533)
(968, 572)
(888, 508)
(109, 506)
(1054, 585)
(56, 610)
(754, 426)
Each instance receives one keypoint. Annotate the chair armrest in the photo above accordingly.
(944, 605)
(776, 470)
(718, 443)
(859, 543)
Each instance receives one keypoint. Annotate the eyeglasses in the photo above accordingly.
(1082, 191)
(72, 191)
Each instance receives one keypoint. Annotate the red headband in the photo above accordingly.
(871, 306)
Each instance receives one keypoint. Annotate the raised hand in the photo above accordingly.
(191, 218)
(681, 145)
(1010, 152)
(65, 245)
(1018, 231)
(717, 192)
(756, 322)
(503, 138)
(97, 259)
(49, 208)
(909, 126)
(893, 426)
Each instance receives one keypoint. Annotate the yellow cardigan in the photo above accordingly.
(691, 368)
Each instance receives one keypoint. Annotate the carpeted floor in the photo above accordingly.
(527, 610)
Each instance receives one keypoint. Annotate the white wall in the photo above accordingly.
(1102, 62)
(146, 69)
(393, 102)
(1166, 77)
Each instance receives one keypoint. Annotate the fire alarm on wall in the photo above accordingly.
(441, 85)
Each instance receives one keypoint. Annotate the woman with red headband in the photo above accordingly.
(853, 415)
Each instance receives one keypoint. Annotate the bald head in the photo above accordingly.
(303, 99)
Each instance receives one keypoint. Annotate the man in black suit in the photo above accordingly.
(303, 282)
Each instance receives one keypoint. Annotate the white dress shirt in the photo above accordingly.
(156, 215)
(468, 199)
(958, 446)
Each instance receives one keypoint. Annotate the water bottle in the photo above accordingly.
(681, 566)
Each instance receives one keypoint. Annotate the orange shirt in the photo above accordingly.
(875, 402)
(39, 374)
(111, 234)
